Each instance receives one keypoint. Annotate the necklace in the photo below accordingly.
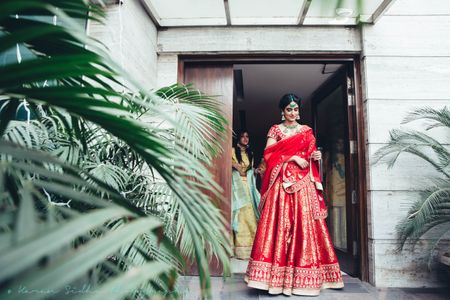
(291, 126)
(288, 128)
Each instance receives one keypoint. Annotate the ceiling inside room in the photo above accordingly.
(263, 85)
(265, 82)
(176, 13)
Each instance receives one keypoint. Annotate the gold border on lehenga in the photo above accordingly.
(324, 277)
(293, 291)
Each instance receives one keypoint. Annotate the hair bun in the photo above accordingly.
(288, 98)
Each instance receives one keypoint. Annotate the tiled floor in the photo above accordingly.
(234, 288)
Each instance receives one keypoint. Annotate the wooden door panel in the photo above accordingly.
(217, 80)
(333, 114)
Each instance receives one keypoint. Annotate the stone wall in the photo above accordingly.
(131, 36)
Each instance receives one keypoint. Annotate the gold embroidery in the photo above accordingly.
(292, 277)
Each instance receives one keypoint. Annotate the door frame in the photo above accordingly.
(289, 58)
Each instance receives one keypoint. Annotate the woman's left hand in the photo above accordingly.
(316, 155)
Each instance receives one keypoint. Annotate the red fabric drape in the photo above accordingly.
(302, 144)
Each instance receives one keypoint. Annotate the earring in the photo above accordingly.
(282, 117)
(298, 117)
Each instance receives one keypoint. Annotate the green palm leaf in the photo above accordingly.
(438, 118)
(429, 213)
(35, 240)
(426, 213)
(418, 144)
(71, 78)
(129, 281)
(30, 251)
(198, 117)
(55, 276)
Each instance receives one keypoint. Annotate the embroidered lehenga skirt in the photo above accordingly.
(292, 251)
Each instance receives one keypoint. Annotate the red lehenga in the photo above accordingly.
(292, 252)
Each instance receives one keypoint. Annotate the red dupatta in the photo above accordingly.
(301, 144)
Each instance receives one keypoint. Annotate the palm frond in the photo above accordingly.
(415, 143)
(196, 113)
(29, 134)
(130, 281)
(37, 234)
(438, 117)
(114, 176)
(430, 210)
(73, 76)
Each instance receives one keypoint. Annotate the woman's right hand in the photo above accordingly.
(240, 169)
(303, 163)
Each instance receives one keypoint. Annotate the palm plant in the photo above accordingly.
(89, 192)
(431, 212)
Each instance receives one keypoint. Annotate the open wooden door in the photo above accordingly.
(334, 122)
(217, 80)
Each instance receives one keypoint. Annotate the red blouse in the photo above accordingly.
(278, 133)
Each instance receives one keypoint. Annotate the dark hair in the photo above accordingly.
(248, 150)
(288, 98)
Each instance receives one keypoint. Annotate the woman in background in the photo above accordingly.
(245, 197)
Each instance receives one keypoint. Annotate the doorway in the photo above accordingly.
(329, 96)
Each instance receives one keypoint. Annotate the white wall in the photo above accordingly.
(406, 61)
(131, 36)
